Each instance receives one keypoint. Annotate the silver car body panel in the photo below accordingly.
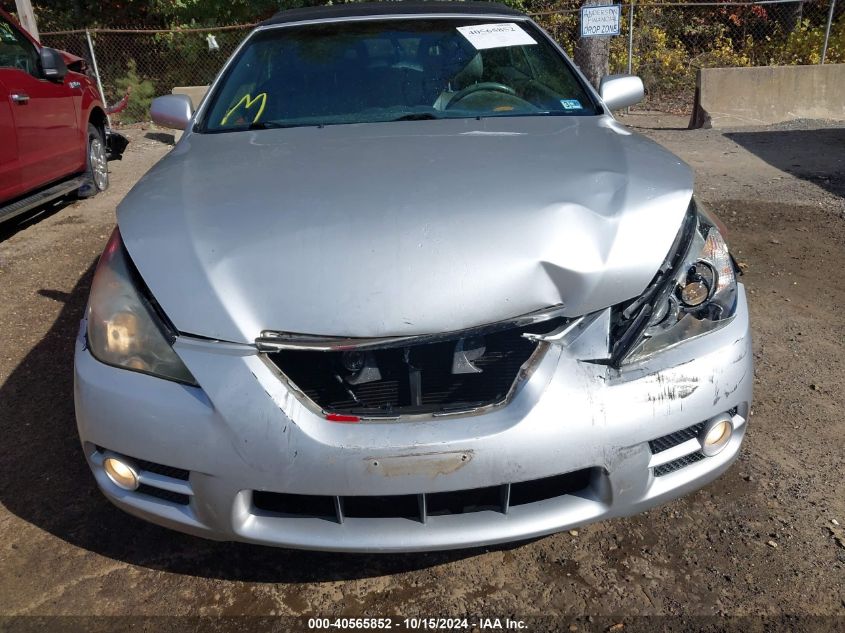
(274, 341)
(397, 229)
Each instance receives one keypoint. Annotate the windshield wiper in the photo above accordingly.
(273, 125)
(417, 116)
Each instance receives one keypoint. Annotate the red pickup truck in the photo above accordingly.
(54, 132)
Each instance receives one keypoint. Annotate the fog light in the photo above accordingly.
(716, 434)
(122, 474)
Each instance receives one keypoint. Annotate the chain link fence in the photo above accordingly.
(149, 63)
(665, 42)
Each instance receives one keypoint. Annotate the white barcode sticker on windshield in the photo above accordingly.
(484, 36)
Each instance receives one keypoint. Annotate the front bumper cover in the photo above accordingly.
(245, 431)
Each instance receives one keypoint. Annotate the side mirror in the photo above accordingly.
(53, 64)
(621, 91)
(172, 111)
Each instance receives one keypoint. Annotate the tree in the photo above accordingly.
(152, 14)
(592, 54)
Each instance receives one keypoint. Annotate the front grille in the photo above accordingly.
(165, 495)
(423, 378)
(677, 464)
(421, 506)
(674, 439)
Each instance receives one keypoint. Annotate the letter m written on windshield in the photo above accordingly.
(247, 104)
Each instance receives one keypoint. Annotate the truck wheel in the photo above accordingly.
(97, 173)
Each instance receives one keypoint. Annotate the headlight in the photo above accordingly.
(694, 292)
(124, 328)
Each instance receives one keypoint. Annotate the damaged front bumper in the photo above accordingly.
(244, 458)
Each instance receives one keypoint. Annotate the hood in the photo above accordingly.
(401, 228)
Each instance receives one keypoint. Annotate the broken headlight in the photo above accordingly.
(124, 328)
(694, 292)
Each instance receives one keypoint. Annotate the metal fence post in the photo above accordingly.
(630, 43)
(96, 70)
(827, 30)
(630, 35)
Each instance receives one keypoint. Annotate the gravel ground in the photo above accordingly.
(760, 541)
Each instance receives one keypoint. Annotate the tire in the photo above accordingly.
(97, 171)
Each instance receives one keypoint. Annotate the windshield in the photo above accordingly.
(388, 70)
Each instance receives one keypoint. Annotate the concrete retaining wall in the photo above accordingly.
(733, 97)
(196, 93)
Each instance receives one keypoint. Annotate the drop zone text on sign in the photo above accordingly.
(600, 20)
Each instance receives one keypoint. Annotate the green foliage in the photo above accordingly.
(725, 52)
(219, 12)
(142, 93)
(74, 14)
(661, 61)
(563, 27)
(804, 45)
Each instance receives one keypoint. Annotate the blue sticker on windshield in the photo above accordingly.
(571, 104)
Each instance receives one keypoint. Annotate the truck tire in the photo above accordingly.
(97, 172)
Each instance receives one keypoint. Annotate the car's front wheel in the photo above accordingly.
(97, 172)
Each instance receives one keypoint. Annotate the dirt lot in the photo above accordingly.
(759, 541)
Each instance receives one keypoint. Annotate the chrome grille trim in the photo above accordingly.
(274, 341)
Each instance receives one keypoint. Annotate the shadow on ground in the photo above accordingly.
(161, 137)
(45, 481)
(815, 155)
(25, 220)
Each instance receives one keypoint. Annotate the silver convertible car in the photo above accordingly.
(406, 284)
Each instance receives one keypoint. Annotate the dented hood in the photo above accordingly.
(402, 228)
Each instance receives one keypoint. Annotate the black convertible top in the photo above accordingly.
(390, 7)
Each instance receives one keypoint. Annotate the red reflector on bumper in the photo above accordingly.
(336, 417)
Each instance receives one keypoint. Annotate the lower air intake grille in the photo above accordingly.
(674, 439)
(165, 495)
(677, 464)
(421, 506)
(446, 375)
(159, 469)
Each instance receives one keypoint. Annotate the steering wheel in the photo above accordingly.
(489, 86)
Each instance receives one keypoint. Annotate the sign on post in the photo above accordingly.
(597, 21)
